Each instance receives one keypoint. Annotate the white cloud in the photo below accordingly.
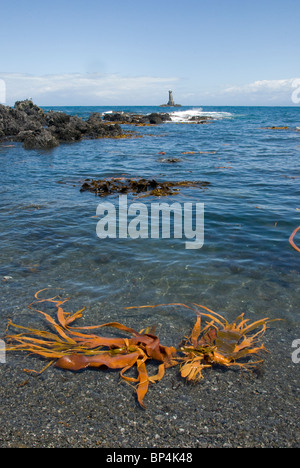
(115, 89)
(86, 89)
(2, 91)
(273, 92)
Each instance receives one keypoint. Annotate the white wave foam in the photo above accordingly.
(112, 112)
(186, 116)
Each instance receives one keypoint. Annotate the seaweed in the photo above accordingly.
(141, 187)
(276, 128)
(291, 240)
(72, 348)
(218, 343)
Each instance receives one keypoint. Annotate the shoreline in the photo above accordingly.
(38, 129)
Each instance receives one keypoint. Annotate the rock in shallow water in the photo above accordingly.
(142, 187)
(40, 139)
(29, 124)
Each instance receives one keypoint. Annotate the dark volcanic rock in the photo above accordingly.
(124, 118)
(37, 129)
(66, 133)
(200, 119)
(30, 109)
(67, 128)
(56, 119)
(136, 119)
(12, 121)
(157, 118)
(97, 128)
(40, 139)
(118, 117)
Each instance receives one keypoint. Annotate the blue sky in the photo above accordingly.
(221, 52)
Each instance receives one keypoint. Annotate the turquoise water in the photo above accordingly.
(48, 227)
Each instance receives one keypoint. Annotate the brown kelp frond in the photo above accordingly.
(222, 343)
(218, 342)
(291, 240)
(212, 341)
(73, 348)
(191, 368)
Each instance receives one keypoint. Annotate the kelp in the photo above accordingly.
(141, 187)
(291, 240)
(276, 128)
(72, 348)
(221, 343)
(199, 152)
(217, 343)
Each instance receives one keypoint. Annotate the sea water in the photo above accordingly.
(251, 206)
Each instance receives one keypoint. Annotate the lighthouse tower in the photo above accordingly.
(171, 100)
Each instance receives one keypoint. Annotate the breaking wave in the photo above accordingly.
(187, 115)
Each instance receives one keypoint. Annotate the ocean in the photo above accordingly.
(251, 207)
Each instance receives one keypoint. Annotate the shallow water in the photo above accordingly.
(48, 227)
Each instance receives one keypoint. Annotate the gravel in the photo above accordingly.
(96, 409)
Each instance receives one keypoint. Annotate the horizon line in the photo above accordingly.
(155, 105)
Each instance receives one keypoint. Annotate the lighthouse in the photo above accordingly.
(171, 100)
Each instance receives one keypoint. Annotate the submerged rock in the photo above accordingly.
(200, 119)
(142, 187)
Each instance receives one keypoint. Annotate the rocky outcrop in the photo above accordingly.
(30, 109)
(98, 129)
(120, 117)
(37, 129)
(137, 119)
(157, 118)
(39, 139)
